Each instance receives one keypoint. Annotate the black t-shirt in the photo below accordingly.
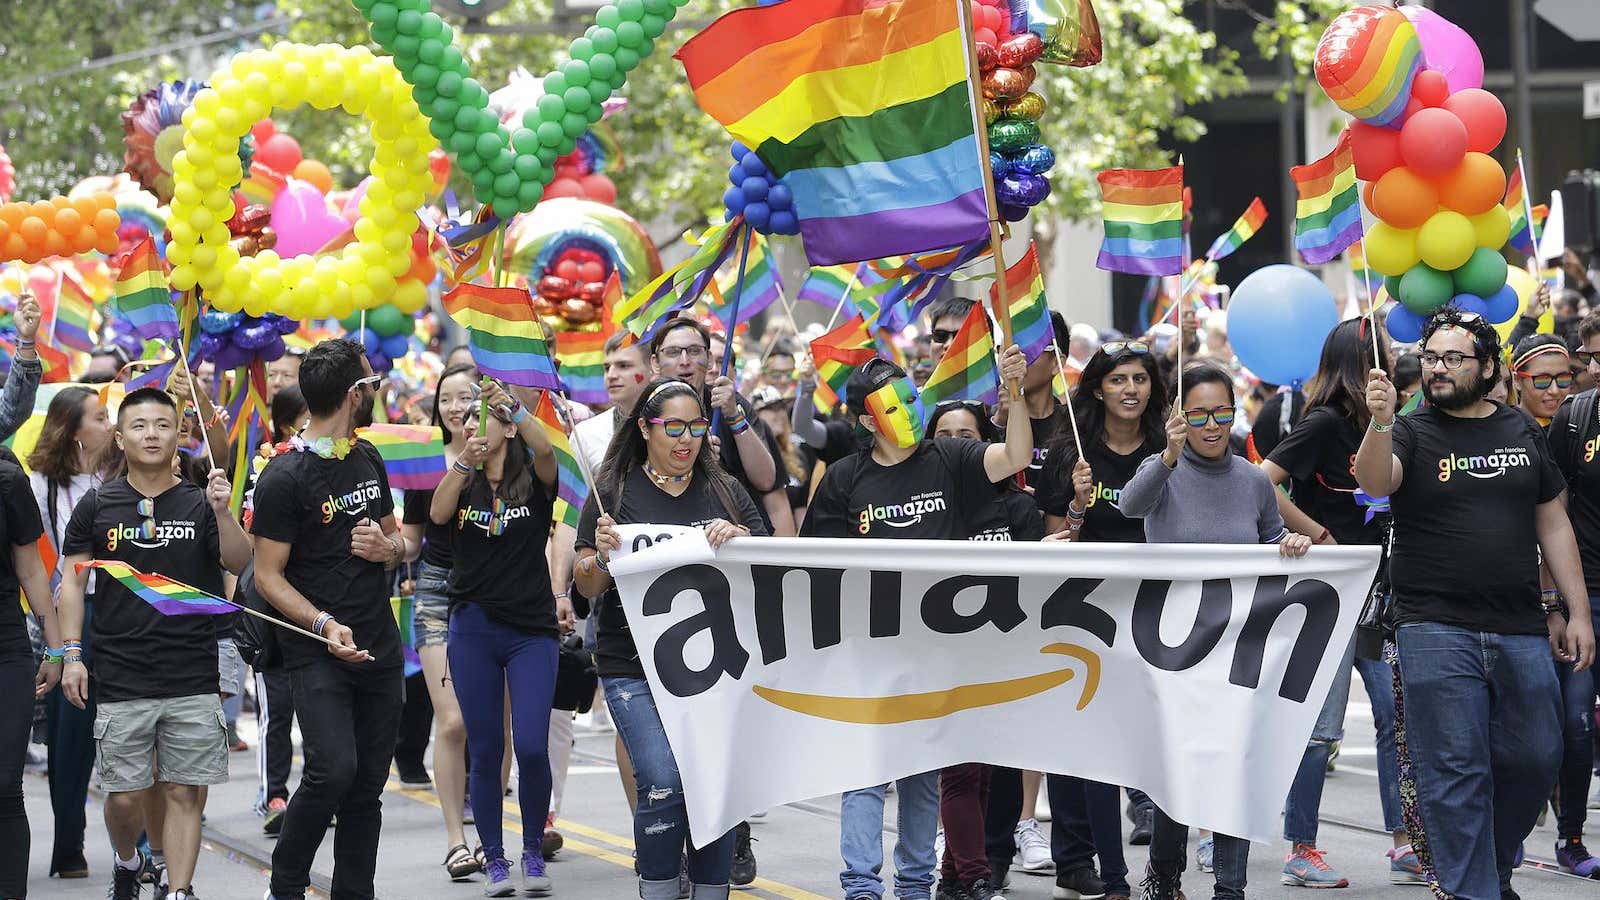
(1012, 516)
(1576, 449)
(799, 489)
(1044, 431)
(940, 492)
(504, 573)
(733, 465)
(644, 503)
(138, 652)
(842, 441)
(313, 503)
(435, 538)
(19, 527)
(1103, 520)
(1465, 551)
(1320, 457)
(1269, 428)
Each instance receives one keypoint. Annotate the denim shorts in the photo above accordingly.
(178, 740)
(432, 608)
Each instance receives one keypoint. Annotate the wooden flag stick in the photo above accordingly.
(194, 397)
(564, 413)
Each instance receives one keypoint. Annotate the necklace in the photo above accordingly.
(325, 447)
(661, 479)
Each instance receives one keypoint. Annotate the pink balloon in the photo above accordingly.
(302, 220)
(352, 203)
(1446, 48)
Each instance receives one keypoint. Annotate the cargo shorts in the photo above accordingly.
(177, 740)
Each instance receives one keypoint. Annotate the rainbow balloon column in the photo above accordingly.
(1422, 146)
(386, 337)
(1017, 159)
(565, 250)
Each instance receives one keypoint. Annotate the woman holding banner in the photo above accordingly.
(1196, 491)
(660, 469)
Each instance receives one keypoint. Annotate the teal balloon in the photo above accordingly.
(607, 17)
(1482, 274)
(577, 72)
(551, 108)
(653, 25)
(630, 10)
(577, 99)
(582, 48)
(550, 133)
(555, 83)
(1424, 289)
(603, 66)
(631, 35)
(604, 40)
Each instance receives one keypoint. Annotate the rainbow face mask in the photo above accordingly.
(897, 411)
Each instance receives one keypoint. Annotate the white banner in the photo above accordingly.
(786, 669)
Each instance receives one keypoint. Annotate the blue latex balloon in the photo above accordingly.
(779, 196)
(369, 340)
(736, 174)
(783, 221)
(752, 165)
(1403, 325)
(754, 188)
(214, 322)
(733, 199)
(1474, 303)
(395, 346)
(1502, 305)
(1278, 318)
(759, 215)
(738, 150)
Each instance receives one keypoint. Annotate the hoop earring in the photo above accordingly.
(80, 445)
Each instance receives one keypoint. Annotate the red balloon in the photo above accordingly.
(582, 255)
(987, 36)
(1482, 114)
(1430, 88)
(280, 152)
(988, 57)
(599, 188)
(554, 287)
(591, 271)
(1376, 150)
(1433, 141)
(593, 292)
(564, 187)
(263, 130)
(1412, 105)
(569, 269)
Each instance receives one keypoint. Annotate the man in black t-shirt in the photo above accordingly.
(159, 716)
(325, 534)
(1476, 499)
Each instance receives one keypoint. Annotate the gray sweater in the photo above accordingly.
(1203, 501)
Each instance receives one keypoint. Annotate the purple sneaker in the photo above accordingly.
(1573, 856)
(535, 883)
(497, 878)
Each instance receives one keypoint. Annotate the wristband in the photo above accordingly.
(1326, 533)
(55, 654)
(1381, 429)
(71, 645)
(321, 622)
(1073, 513)
(518, 413)
(24, 342)
(461, 468)
(562, 596)
(601, 564)
(739, 426)
(73, 656)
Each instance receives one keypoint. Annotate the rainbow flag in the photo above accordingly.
(581, 355)
(836, 354)
(853, 289)
(170, 598)
(1031, 328)
(572, 491)
(53, 361)
(680, 286)
(504, 334)
(1243, 230)
(933, 262)
(863, 108)
(1523, 238)
(405, 612)
(412, 454)
(74, 315)
(1327, 217)
(142, 294)
(762, 286)
(967, 371)
(1143, 213)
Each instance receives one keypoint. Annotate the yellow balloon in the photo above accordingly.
(1446, 240)
(411, 296)
(1491, 229)
(1391, 250)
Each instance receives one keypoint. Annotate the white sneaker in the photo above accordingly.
(1041, 807)
(1033, 848)
(938, 847)
(1594, 798)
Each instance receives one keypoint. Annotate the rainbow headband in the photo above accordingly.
(1542, 349)
(896, 409)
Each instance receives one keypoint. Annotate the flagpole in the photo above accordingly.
(1532, 261)
(849, 286)
(1366, 277)
(245, 609)
(55, 318)
(1002, 312)
(1072, 417)
(564, 413)
(194, 397)
(1183, 293)
(733, 317)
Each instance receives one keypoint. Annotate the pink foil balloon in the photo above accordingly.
(302, 220)
(1446, 48)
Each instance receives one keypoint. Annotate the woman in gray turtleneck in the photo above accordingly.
(1197, 492)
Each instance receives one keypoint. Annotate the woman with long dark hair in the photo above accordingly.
(659, 469)
(68, 461)
(1317, 459)
(496, 499)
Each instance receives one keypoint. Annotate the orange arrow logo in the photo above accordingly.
(938, 704)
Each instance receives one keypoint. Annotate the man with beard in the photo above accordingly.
(1476, 497)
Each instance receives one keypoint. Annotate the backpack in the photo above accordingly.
(256, 639)
(1583, 409)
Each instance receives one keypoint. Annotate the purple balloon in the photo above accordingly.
(1012, 213)
(274, 350)
(255, 335)
(380, 363)
(284, 324)
(211, 344)
(1021, 189)
(232, 356)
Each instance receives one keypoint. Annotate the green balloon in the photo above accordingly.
(483, 182)
(408, 22)
(473, 95)
(463, 141)
(364, 6)
(449, 84)
(630, 10)
(576, 99)
(528, 193)
(387, 321)
(1483, 273)
(383, 15)
(547, 155)
(1424, 289)
(567, 145)
(551, 108)
(351, 322)
(577, 72)
(574, 124)
(432, 26)
(603, 67)
(489, 144)
(594, 113)
(524, 141)
(500, 162)
(662, 8)
(555, 83)
(441, 129)
(626, 58)
(425, 96)
(526, 165)
(466, 118)
(604, 40)
(385, 33)
(407, 45)
(446, 108)
(653, 25)
(430, 53)
(425, 74)
(607, 17)
(1391, 286)
(506, 184)
(506, 207)
(598, 92)
(631, 34)
(582, 48)
(550, 133)
(416, 5)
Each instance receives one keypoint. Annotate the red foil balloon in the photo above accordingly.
(592, 292)
(578, 311)
(1005, 84)
(1021, 50)
(988, 57)
(554, 287)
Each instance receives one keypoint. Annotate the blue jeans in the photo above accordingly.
(1483, 724)
(487, 658)
(861, 838)
(1577, 747)
(661, 823)
(1086, 821)
(1230, 858)
(1305, 793)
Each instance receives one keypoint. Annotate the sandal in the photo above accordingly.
(460, 863)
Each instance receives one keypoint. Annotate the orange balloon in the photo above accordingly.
(60, 202)
(106, 200)
(68, 221)
(55, 244)
(106, 221)
(13, 213)
(1474, 186)
(108, 243)
(42, 209)
(1366, 193)
(1403, 198)
(33, 230)
(86, 207)
(14, 247)
(316, 173)
(84, 240)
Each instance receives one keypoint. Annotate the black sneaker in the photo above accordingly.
(1144, 825)
(744, 857)
(413, 775)
(153, 870)
(124, 883)
(949, 890)
(1157, 886)
(1506, 893)
(980, 890)
(1000, 874)
(1079, 884)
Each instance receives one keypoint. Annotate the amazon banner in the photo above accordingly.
(786, 669)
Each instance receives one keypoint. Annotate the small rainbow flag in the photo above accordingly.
(53, 361)
(1031, 328)
(572, 491)
(826, 287)
(1143, 213)
(863, 108)
(680, 286)
(835, 355)
(412, 454)
(1327, 217)
(74, 315)
(762, 287)
(1243, 230)
(581, 355)
(170, 598)
(142, 294)
(1523, 238)
(504, 334)
(967, 370)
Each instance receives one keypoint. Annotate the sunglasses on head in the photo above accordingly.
(1112, 348)
(1197, 417)
(1543, 382)
(675, 428)
(147, 508)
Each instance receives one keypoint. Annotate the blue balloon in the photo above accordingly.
(1502, 304)
(998, 165)
(1473, 303)
(779, 196)
(783, 221)
(395, 346)
(369, 340)
(733, 199)
(1403, 325)
(738, 150)
(1278, 318)
(754, 188)
(380, 361)
(736, 174)
(752, 165)
(759, 215)
(214, 322)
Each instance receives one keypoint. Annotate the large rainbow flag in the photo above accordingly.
(835, 355)
(967, 371)
(74, 315)
(142, 294)
(863, 108)
(1327, 217)
(170, 598)
(413, 455)
(572, 491)
(853, 289)
(1031, 328)
(504, 334)
(1143, 213)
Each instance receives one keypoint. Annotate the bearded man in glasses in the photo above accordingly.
(1476, 497)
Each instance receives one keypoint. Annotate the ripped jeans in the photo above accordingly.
(661, 823)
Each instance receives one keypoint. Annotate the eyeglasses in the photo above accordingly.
(1585, 357)
(780, 374)
(1543, 382)
(147, 528)
(694, 352)
(1222, 415)
(1112, 348)
(371, 381)
(941, 336)
(675, 428)
(1452, 359)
